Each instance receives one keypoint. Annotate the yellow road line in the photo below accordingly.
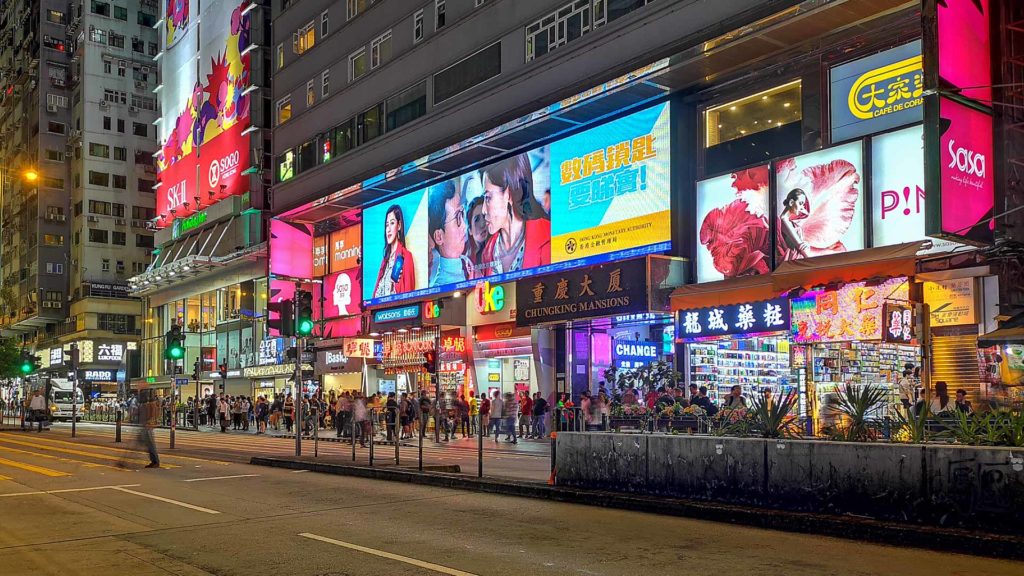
(389, 555)
(2, 477)
(116, 449)
(62, 459)
(33, 468)
(168, 500)
(82, 453)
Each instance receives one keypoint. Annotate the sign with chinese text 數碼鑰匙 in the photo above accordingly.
(605, 290)
(747, 318)
(850, 312)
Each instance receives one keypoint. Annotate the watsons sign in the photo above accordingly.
(878, 92)
(396, 314)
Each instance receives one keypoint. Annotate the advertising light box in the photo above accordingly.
(596, 196)
(964, 50)
(850, 312)
(966, 183)
(876, 92)
(732, 225)
(203, 154)
(820, 203)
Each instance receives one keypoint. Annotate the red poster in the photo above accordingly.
(176, 195)
(221, 164)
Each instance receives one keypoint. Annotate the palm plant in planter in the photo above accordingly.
(854, 406)
(774, 418)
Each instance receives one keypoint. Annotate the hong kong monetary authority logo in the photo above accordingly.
(570, 246)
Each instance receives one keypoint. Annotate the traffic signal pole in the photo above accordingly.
(298, 385)
(74, 389)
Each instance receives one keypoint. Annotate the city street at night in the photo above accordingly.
(68, 508)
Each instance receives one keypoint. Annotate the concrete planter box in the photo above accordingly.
(935, 484)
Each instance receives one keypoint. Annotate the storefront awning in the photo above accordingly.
(1002, 336)
(882, 262)
(723, 292)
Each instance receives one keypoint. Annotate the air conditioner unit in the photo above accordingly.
(104, 104)
(119, 222)
(133, 109)
(51, 107)
(138, 223)
(93, 219)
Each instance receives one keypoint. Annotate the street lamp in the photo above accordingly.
(30, 175)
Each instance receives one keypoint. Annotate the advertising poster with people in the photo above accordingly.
(820, 203)
(394, 246)
(497, 223)
(734, 238)
(342, 294)
(610, 187)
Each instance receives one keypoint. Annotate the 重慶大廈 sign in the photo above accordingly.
(747, 318)
(606, 290)
(877, 92)
(951, 302)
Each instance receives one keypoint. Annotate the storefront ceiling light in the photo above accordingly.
(457, 294)
(402, 331)
(374, 334)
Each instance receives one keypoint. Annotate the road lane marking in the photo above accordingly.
(82, 453)
(222, 477)
(68, 490)
(389, 555)
(117, 449)
(299, 471)
(2, 477)
(33, 468)
(167, 500)
(62, 459)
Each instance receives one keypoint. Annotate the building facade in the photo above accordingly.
(759, 162)
(208, 275)
(85, 230)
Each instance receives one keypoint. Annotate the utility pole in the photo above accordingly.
(74, 389)
(298, 383)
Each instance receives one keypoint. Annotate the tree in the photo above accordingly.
(10, 359)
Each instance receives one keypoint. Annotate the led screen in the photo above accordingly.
(733, 236)
(820, 203)
(599, 195)
(965, 168)
(965, 47)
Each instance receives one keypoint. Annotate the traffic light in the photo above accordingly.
(285, 321)
(29, 363)
(290, 353)
(196, 370)
(430, 361)
(175, 343)
(303, 313)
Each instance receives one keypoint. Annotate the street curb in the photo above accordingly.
(846, 527)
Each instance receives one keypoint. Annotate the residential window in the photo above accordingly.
(140, 129)
(146, 185)
(117, 209)
(54, 155)
(284, 109)
(98, 36)
(370, 123)
(310, 93)
(438, 14)
(138, 267)
(54, 268)
(120, 182)
(304, 39)
(151, 48)
(97, 235)
(142, 213)
(467, 73)
(105, 265)
(325, 83)
(280, 56)
(101, 8)
(358, 64)
(143, 241)
(99, 178)
(324, 25)
(106, 122)
(99, 150)
(56, 127)
(51, 182)
(55, 213)
(121, 13)
(57, 100)
(406, 106)
(119, 238)
(120, 125)
(116, 40)
(120, 153)
(120, 264)
(380, 49)
(417, 26)
(563, 26)
(356, 7)
(99, 207)
(53, 240)
(107, 67)
(147, 20)
(55, 17)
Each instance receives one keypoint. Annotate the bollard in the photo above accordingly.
(604, 422)
(480, 445)
(397, 435)
(117, 427)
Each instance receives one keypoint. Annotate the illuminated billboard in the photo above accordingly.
(877, 92)
(733, 236)
(203, 153)
(599, 195)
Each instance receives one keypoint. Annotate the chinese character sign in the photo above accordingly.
(109, 352)
(748, 318)
(851, 312)
(609, 289)
(878, 92)
(898, 323)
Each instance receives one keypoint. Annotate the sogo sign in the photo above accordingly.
(225, 167)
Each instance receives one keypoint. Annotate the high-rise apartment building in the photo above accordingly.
(79, 108)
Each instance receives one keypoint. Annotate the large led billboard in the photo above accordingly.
(733, 235)
(203, 152)
(819, 203)
(599, 195)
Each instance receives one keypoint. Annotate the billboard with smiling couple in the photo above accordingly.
(592, 197)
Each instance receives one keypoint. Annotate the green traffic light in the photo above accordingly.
(305, 327)
(26, 367)
(176, 352)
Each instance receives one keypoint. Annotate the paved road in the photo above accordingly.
(66, 507)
